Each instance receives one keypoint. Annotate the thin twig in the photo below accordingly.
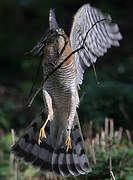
(93, 152)
(97, 139)
(103, 143)
(73, 52)
(13, 162)
(111, 128)
(13, 136)
(56, 68)
(120, 133)
(110, 158)
(90, 129)
(34, 95)
(106, 126)
(39, 89)
(16, 170)
(34, 80)
(12, 155)
(129, 135)
(111, 143)
(112, 174)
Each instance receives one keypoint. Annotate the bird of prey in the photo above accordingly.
(53, 142)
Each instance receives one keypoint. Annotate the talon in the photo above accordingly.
(68, 143)
(42, 133)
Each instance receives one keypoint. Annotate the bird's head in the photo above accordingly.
(54, 36)
(55, 33)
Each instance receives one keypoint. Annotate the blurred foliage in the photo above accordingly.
(111, 97)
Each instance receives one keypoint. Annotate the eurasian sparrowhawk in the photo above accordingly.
(57, 145)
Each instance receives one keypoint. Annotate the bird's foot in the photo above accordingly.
(68, 143)
(42, 132)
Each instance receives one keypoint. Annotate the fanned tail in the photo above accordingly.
(48, 158)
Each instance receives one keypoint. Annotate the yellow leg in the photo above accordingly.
(68, 143)
(42, 132)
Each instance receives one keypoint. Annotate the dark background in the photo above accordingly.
(23, 22)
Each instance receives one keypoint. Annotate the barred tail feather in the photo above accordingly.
(78, 148)
(48, 158)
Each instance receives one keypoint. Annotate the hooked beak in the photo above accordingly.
(53, 25)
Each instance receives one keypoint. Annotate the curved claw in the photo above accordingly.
(68, 143)
(42, 132)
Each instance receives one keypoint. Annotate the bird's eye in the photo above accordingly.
(60, 31)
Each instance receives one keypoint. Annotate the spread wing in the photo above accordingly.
(101, 37)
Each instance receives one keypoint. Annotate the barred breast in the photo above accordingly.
(62, 84)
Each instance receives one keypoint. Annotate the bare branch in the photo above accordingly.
(73, 52)
(56, 68)
(34, 95)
